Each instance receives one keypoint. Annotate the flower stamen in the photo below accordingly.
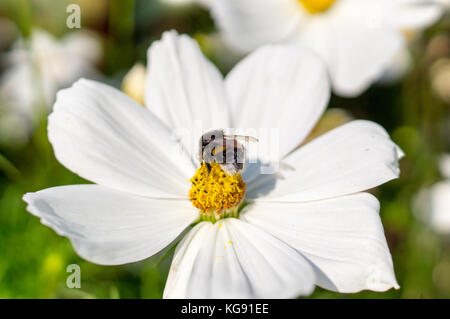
(316, 6)
(215, 193)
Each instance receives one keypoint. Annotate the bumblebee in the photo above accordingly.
(226, 150)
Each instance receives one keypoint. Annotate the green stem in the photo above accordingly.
(23, 15)
(8, 168)
(121, 30)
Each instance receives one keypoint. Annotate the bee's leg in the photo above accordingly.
(208, 166)
(238, 166)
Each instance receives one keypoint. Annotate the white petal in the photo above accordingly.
(356, 46)
(17, 86)
(184, 259)
(232, 259)
(440, 206)
(351, 158)
(412, 14)
(50, 56)
(343, 238)
(104, 136)
(109, 227)
(356, 67)
(84, 45)
(184, 88)
(279, 87)
(249, 24)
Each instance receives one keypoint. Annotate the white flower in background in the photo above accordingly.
(133, 83)
(400, 65)
(434, 203)
(358, 39)
(308, 225)
(445, 4)
(38, 68)
(440, 78)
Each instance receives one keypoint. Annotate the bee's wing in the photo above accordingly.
(233, 159)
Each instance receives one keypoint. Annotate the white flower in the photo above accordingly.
(434, 202)
(440, 207)
(400, 65)
(307, 225)
(358, 39)
(42, 65)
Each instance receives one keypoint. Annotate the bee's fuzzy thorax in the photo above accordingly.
(215, 192)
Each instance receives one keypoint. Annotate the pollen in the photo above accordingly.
(316, 6)
(215, 192)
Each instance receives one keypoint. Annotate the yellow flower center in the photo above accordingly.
(316, 6)
(215, 193)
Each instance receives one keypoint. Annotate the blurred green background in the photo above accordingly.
(414, 109)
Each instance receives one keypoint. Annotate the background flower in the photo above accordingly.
(357, 39)
(36, 69)
(433, 203)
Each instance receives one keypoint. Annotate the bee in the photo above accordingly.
(226, 150)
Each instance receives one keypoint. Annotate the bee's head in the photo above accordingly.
(210, 136)
(208, 144)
